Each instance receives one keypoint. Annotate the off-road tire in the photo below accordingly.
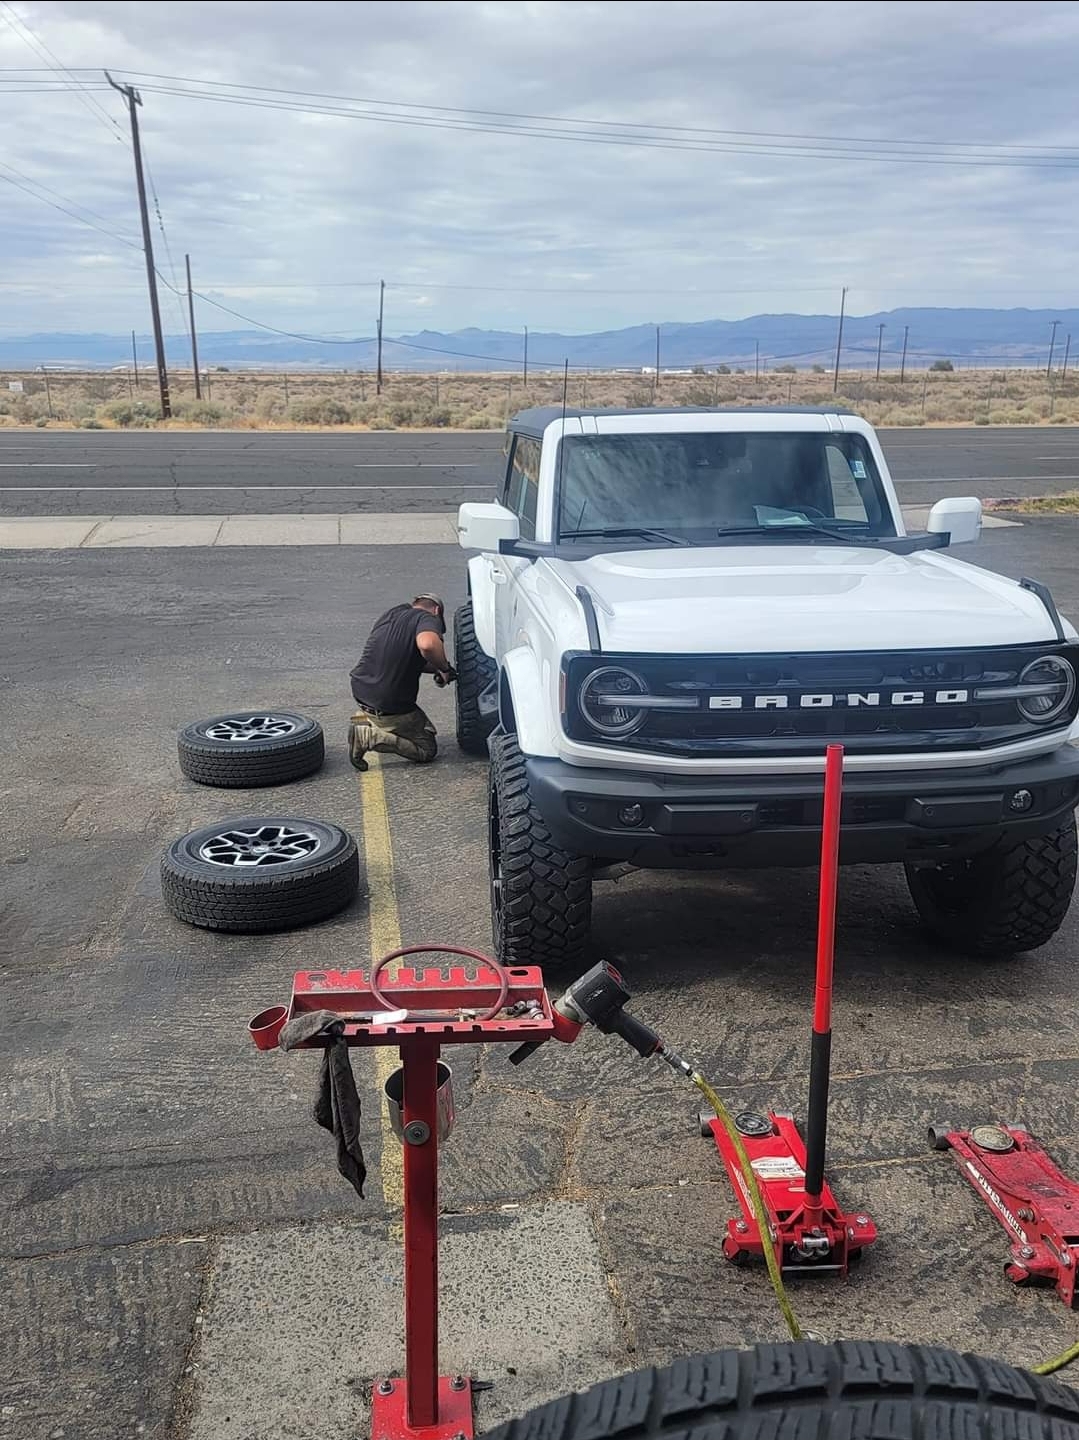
(243, 764)
(254, 900)
(852, 1390)
(541, 895)
(475, 671)
(1011, 898)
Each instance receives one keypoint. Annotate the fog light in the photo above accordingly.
(1021, 800)
(631, 814)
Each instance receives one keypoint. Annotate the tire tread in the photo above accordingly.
(852, 1390)
(475, 671)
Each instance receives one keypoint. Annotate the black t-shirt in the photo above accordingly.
(387, 675)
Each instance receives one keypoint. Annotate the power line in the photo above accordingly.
(642, 141)
(64, 208)
(628, 125)
(35, 42)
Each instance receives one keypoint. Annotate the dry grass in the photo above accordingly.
(1067, 503)
(244, 400)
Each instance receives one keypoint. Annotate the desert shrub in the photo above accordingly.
(637, 399)
(130, 414)
(785, 369)
(942, 366)
(723, 369)
(699, 370)
(981, 420)
(319, 412)
(481, 422)
(699, 395)
(91, 424)
(434, 418)
(819, 370)
(380, 422)
(402, 414)
(201, 412)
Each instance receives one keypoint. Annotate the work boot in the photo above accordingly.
(355, 754)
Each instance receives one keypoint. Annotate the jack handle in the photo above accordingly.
(598, 998)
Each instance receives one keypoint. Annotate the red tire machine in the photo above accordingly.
(1036, 1204)
(419, 1011)
(808, 1230)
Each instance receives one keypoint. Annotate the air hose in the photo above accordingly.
(1047, 1367)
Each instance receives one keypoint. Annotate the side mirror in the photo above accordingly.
(485, 526)
(960, 518)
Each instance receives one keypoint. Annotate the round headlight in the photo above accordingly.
(607, 700)
(1053, 682)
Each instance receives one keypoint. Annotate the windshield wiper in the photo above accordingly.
(618, 532)
(799, 529)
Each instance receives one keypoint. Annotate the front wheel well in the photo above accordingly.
(506, 718)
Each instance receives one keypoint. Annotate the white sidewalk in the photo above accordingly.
(109, 532)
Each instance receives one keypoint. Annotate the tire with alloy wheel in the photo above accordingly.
(251, 748)
(475, 671)
(541, 895)
(867, 1389)
(260, 873)
(1011, 898)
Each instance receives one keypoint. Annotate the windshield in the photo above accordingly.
(695, 484)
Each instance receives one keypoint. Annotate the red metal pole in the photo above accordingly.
(419, 1057)
(821, 1052)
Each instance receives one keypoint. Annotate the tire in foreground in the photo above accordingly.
(251, 748)
(865, 1389)
(257, 873)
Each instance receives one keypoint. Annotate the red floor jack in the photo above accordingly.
(1037, 1205)
(809, 1232)
(488, 1006)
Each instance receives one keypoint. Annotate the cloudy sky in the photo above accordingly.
(732, 180)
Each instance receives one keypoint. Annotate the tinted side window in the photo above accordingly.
(507, 478)
(523, 496)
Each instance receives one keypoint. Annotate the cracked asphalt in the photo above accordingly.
(179, 1257)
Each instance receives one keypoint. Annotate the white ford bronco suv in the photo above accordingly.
(671, 614)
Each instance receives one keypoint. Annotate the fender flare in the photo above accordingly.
(523, 702)
(481, 592)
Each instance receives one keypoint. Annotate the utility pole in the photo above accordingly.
(194, 338)
(48, 392)
(880, 342)
(131, 95)
(839, 339)
(1052, 347)
(655, 387)
(1067, 352)
(135, 358)
(525, 374)
(757, 361)
(903, 362)
(381, 305)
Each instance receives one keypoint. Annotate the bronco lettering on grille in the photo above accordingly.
(826, 699)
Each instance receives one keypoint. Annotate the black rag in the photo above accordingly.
(337, 1102)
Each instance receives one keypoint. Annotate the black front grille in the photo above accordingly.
(794, 704)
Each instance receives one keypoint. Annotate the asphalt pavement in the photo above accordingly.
(179, 1258)
(150, 472)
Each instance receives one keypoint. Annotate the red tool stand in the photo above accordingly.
(457, 1009)
(1037, 1205)
(808, 1229)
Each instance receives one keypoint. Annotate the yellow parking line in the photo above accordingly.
(385, 932)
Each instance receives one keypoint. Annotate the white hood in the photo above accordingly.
(766, 598)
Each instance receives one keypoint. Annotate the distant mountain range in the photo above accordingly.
(964, 336)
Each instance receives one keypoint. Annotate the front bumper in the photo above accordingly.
(745, 822)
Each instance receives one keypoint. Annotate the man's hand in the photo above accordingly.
(445, 677)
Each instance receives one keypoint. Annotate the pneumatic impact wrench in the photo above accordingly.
(599, 998)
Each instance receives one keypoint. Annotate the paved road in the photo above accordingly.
(214, 473)
(179, 1255)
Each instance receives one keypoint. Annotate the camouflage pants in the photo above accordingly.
(410, 735)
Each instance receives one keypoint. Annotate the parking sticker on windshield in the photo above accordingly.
(857, 469)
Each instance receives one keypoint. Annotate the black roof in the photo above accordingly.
(533, 422)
